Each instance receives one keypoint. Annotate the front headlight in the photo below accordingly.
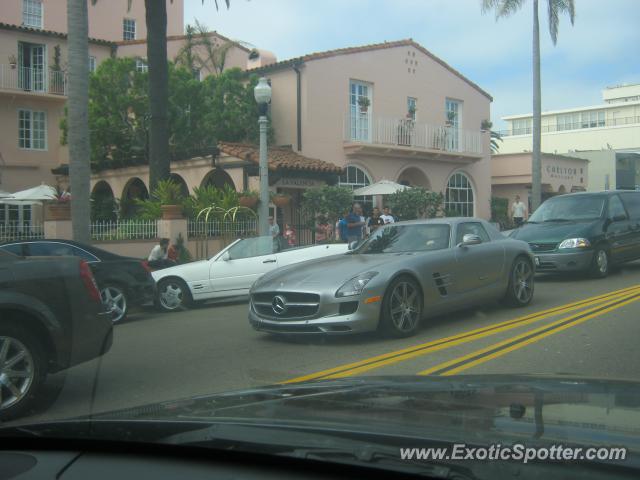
(575, 243)
(355, 285)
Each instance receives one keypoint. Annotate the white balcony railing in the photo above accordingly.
(35, 80)
(367, 128)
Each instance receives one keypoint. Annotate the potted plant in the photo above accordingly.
(280, 199)
(56, 84)
(451, 116)
(363, 103)
(486, 125)
(168, 193)
(411, 112)
(13, 61)
(248, 198)
(59, 208)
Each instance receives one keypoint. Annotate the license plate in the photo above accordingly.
(537, 260)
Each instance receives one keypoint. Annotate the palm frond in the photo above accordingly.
(555, 9)
(227, 2)
(502, 8)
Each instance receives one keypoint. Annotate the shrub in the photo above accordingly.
(416, 202)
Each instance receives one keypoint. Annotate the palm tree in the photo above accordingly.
(78, 105)
(504, 8)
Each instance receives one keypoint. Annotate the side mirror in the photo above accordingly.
(470, 239)
(353, 245)
(225, 256)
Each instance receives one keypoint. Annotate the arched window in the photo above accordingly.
(354, 177)
(459, 195)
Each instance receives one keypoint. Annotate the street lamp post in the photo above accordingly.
(262, 94)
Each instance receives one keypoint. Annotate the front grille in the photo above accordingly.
(542, 247)
(297, 305)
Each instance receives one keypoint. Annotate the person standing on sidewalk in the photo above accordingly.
(355, 224)
(518, 212)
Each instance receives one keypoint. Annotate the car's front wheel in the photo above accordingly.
(22, 370)
(173, 294)
(401, 308)
(600, 263)
(115, 300)
(521, 283)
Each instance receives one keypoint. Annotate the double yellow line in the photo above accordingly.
(597, 305)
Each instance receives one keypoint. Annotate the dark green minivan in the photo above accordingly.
(585, 231)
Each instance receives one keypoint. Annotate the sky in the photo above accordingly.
(601, 49)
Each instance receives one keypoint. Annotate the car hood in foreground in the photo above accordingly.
(477, 409)
(329, 270)
(552, 232)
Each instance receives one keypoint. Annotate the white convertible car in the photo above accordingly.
(230, 272)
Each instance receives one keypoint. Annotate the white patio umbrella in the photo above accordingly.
(383, 187)
(39, 193)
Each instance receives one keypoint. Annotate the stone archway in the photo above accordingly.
(414, 177)
(217, 178)
(103, 203)
(133, 189)
(184, 189)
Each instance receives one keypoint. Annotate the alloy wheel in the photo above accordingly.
(523, 281)
(405, 307)
(115, 301)
(171, 295)
(602, 261)
(17, 372)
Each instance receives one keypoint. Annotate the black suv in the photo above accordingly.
(51, 318)
(584, 232)
(124, 282)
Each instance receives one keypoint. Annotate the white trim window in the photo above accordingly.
(568, 121)
(459, 196)
(141, 66)
(412, 106)
(521, 126)
(360, 122)
(92, 64)
(32, 130)
(32, 13)
(355, 177)
(128, 29)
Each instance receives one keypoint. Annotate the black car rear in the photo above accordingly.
(51, 318)
(124, 282)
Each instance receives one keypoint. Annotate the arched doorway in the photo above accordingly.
(562, 190)
(459, 198)
(217, 178)
(134, 189)
(414, 177)
(184, 189)
(103, 203)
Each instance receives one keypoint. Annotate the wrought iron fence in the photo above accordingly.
(20, 230)
(218, 228)
(125, 230)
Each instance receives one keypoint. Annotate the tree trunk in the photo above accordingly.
(78, 106)
(159, 162)
(536, 166)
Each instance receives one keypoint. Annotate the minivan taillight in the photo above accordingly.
(89, 282)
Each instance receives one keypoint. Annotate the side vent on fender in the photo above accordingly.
(442, 282)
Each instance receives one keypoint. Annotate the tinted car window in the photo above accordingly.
(615, 207)
(14, 248)
(56, 249)
(632, 202)
(474, 228)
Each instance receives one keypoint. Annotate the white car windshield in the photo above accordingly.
(252, 247)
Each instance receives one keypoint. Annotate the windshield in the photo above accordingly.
(274, 225)
(570, 208)
(407, 238)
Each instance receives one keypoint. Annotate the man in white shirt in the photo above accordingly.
(158, 258)
(386, 216)
(518, 212)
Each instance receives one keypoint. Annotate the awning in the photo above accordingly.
(383, 187)
(35, 194)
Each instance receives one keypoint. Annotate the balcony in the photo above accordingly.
(554, 127)
(33, 81)
(366, 134)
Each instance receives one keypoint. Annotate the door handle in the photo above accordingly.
(269, 261)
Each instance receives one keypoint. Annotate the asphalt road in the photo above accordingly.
(574, 325)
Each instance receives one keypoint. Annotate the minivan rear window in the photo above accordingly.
(632, 203)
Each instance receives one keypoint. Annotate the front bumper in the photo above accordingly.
(327, 321)
(563, 262)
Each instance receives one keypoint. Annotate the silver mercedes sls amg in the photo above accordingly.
(403, 273)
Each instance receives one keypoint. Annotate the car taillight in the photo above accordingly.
(89, 282)
(146, 266)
